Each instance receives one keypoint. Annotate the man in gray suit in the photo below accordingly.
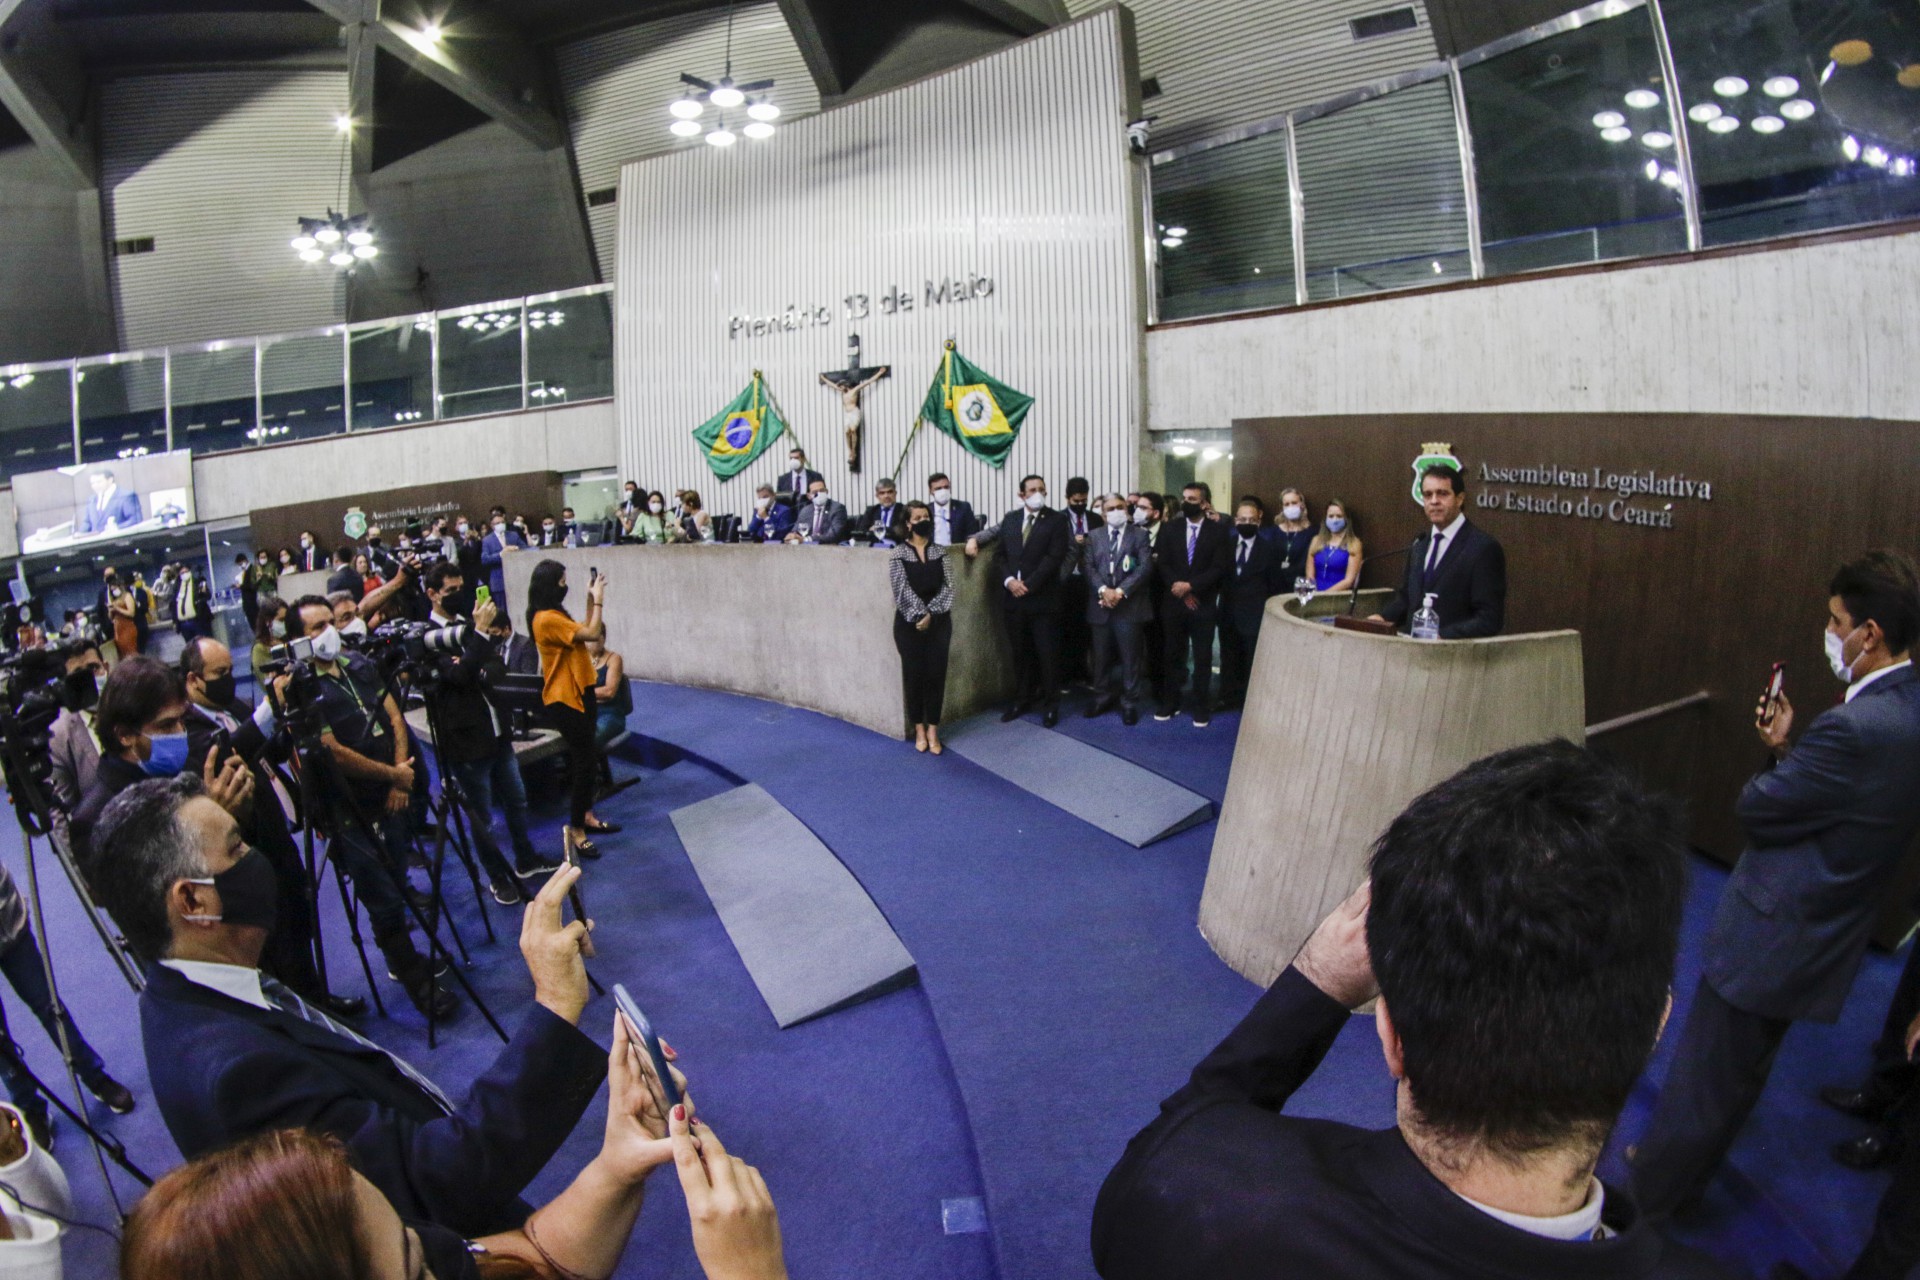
(1117, 563)
(821, 519)
(1827, 822)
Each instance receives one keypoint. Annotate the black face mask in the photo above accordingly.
(83, 689)
(220, 692)
(1247, 530)
(1192, 510)
(248, 891)
(922, 529)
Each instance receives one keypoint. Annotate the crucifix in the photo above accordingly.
(850, 382)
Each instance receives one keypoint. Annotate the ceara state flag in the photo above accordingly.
(975, 408)
(741, 432)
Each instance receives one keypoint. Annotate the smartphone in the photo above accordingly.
(222, 743)
(593, 576)
(638, 1025)
(579, 906)
(482, 594)
(1771, 700)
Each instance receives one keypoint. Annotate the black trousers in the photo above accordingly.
(1719, 1069)
(1125, 635)
(1036, 656)
(1189, 633)
(583, 756)
(923, 665)
(1236, 657)
(1076, 640)
(1894, 1246)
(1893, 1074)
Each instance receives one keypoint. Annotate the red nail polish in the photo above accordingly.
(679, 1113)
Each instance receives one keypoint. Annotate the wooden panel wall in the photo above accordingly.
(1737, 582)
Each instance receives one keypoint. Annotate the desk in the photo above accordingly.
(1341, 730)
(807, 626)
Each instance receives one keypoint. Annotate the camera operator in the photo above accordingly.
(206, 666)
(74, 749)
(367, 739)
(477, 742)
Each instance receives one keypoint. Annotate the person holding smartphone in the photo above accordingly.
(567, 681)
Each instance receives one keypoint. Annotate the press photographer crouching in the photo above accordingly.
(368, 799)
(473, 740)
(232, 1053)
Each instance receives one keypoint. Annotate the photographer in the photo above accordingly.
(369, 807)
(218, 724)
(476, 745)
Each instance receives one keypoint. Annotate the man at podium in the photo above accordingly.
(1455, 561)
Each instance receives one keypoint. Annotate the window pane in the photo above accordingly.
(392, 373)
(213, 398)
(122, 408)
(569, 349)
(480, 361)
(36, 420)
(1560, 153)
(1236, 252)
(1797, 114)
(303, 386)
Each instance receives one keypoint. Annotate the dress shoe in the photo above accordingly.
(118, 1098)
(1130, 717)
(340, 1006)
(39, 1123)
(1870, 1151)
(431, 999)
(1163, 713)
(535, 866)
(1201, 719)
(1013, 713)
(505, 890)
(1051, 718)
(1098, 707)
(1869, 1103)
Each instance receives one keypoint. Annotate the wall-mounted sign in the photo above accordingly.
(1641, 498)
(863, 306)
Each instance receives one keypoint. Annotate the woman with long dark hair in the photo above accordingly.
(922, 576)
(567, 681)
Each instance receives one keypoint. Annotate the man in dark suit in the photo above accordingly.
(798, 480)
(1193, 557)
(344, 576)
(820, 520)
(1028, 551)
(1076, 638)
(309, 558)
(1519, 929)
(1117, 567)
(1455, 561)
(111, 507)
(1255, 578)
(953, 520)
(1827, 824)
(886, 519)
(772, 518)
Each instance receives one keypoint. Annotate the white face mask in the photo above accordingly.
(358, 627)
(761, 504)
(1291, 512)
(1837, 655)
(820, 499)
(326, 645)
(656, 507)
(462, 528)
(1035, 501)
(1116, 519)
(943, 496)
(1140, 515)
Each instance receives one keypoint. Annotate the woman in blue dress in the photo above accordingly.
(1336, 553)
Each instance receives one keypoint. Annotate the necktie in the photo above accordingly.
(290, 1003)
(1240, 557)
(1433, 556)
(1193, 536)
(1027, 528)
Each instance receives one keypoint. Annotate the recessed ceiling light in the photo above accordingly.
(1619, 133)
(1608, 120)
(1703, 112)
(1766, 124)
(1641, 99)
(1797, 109)
(1729, 86)
(1656, 139)
(1724, 124)
(1780, 86)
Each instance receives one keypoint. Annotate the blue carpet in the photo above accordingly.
(1065, 990)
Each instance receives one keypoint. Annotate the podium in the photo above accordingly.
(1341, 730)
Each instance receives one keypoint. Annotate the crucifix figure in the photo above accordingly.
(850, 382)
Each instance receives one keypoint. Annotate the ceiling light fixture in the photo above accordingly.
(764, 111)
(1766, 124)
(1730, 86)
(431, 33)
(721, 137)
(757, 129)
(1780, 86)
(340, 238)
(343, 123)
(1657, 139)
(1642, 99)
(1608, 120)
(686, 107)
(1704, 112)
(1724, 124)
(1850, 147)
(724, 95)
(1797, 109)
(685, 128)
(1619, 133)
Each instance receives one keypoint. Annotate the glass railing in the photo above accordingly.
(212, 397)
(1626, 129)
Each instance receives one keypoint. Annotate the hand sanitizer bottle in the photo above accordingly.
(1426, 621)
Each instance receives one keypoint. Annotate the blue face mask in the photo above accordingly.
(1335, 524)
(169, 754)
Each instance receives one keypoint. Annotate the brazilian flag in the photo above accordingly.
(741, 432)
(976, 409)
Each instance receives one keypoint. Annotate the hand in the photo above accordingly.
(1774, 734)
(973, 547)
(280, 683)
(229, 784)
(1181, 590)
(484, 613)
(636, 1141)
(1335, 958)
(398, 800)
(1017, 587)
(1191, 601)
(1913, 1036)
(553, 950)
(400, 777)
(736, 1230)
(926, 620)
(597, 590)
(1374, 617)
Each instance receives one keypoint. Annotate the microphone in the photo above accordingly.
(1353, 596)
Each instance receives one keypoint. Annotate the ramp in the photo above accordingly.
(809, 935)
(1119, 797)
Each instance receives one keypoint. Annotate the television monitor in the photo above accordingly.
(100, 502)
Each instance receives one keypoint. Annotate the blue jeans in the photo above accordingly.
(483, 780)
(21, 963)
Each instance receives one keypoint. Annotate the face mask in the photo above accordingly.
(168, 754)
(546, 528)
(1141, 515)
(1116, 519)
(797, 464)
(1192, 510)
(1336, 524)
(922, 529)
(306, 542)
(326, 645)
(1291, 512)
(819, 499)
(656, 507)
(1035, 501)
(278, 630)
(761, 504)
(943, 496)
(1837, 655)
(1247, 530)
(358, 627)
(220, 691)
(461, 528)
(83, 689)
(1077, 504)
(248, 893)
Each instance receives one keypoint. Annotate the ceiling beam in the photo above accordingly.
(362, 51)
(479, 57)
(815, 50)
(1027, 17)
(44, 86)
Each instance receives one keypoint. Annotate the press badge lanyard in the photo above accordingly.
(374, 726)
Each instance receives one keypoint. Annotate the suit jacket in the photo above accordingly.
(895, 529)
(962, 523)
(771, 526)
(521, 655)
(222, 1070)
(308, 559)
(110, 778)
(1090, 521)
(1131, 570)
(347, 578)
(464, 715)
(490, 562)
(121, 509)
(1825, 829)
(1223, 1187)
(1470, 584)
(1212, 562)
(1035, 558)
(784, 484)
(826, 525)
(1249, 586)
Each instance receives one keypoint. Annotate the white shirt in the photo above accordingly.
(1444, 537)
(943, 523)
(1853, 690)
(1582, 1224)
(235, 981)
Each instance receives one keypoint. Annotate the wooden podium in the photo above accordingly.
(1342, 728)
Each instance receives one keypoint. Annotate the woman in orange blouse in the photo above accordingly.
(568, 677)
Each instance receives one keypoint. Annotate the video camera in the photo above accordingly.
(35, 688)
